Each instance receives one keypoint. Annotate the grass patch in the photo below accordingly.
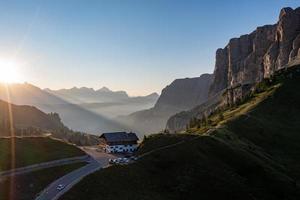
(30, 151)
(224, 116)
(160, 140)
(27, 186)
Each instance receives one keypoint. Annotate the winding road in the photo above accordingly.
(97, 161)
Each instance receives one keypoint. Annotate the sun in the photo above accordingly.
(9, 71)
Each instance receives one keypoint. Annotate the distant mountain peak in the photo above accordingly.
(104, 89)
(80, 88)
(154, 95)
(87, 89)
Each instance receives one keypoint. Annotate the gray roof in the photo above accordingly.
(119, 137)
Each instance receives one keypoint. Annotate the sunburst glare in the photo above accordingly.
(9, 71)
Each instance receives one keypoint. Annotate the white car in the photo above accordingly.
(112, 161)
(124, 160)
(60, 187)
(119, 161)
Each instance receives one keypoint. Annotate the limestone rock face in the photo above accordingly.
(221, 71)
(245, 61)
(250, 58)
(295, 51)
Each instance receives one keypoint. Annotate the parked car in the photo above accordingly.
(133, 158)
(111, 161)
(119, 161)
(60, 187)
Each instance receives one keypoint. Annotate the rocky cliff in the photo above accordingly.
(250, 58)
(247, 60)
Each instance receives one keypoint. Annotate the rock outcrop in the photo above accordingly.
(247, 60)
(250, 58)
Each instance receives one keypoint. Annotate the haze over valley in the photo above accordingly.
(177, 100)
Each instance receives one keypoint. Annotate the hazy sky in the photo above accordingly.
(135, 45)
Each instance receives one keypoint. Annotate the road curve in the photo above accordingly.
(97, 160)
(69, 180)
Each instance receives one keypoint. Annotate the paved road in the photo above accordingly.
(43, 135)
(39, 166)
(97, 161)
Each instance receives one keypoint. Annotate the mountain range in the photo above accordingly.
(89, 95)
(180, 95)
(74, 116)
(104, 101)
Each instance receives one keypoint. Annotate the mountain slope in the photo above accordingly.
(247, 60)
(33, 150)
(18, 120)
(72, 115)
(252, 151)
(181, 94)
(185, 93)
(24, 117)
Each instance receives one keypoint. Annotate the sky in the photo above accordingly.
(139, 46)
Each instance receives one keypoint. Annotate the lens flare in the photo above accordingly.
(9, 71)
(12, 145)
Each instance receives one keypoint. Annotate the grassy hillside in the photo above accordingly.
(30, 151)
(27, 186)
(251, 151)
(29, 121)
(26, 117)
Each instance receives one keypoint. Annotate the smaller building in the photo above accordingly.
(119, 142)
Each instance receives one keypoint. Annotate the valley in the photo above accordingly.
(230, 134)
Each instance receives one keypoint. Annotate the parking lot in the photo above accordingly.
(99, 155)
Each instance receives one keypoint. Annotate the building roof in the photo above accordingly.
(119, 137)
